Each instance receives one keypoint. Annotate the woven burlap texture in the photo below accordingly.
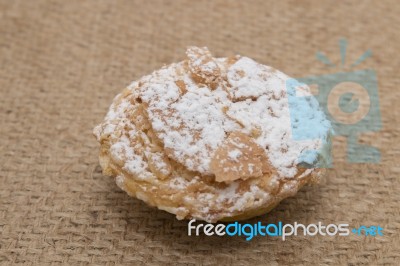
(62, 62)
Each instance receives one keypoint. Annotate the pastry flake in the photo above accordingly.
(239, 157)
(206, 138)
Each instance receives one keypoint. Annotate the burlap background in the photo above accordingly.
(61, 63)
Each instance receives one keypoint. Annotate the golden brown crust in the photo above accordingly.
(239, 157)
(230, 177)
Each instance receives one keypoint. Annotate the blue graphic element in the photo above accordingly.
(368, 231)
(307, 124)
(347, 104)
(302, 110)
(362, 58)
(322, 57)
(343, 48)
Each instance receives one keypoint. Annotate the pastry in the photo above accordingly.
(207, 138)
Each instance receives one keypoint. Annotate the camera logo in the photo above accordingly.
(350, 102)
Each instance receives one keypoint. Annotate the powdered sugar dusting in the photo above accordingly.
(194, 124)
(234, 154)
(134, 163)
(251, 79)
(194, 107)
(273, 117)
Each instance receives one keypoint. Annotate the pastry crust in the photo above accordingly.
(206, 138)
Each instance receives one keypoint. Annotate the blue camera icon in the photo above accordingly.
(349, 101)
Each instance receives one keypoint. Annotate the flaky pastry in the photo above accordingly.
(207, 138)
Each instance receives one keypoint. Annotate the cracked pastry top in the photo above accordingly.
(207, 138)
